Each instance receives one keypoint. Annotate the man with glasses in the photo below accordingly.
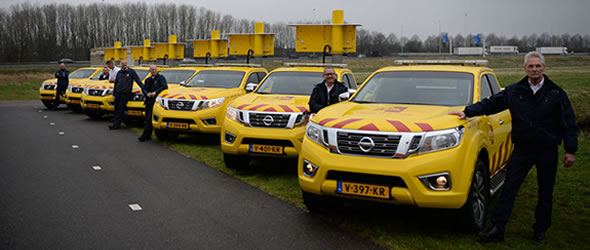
(326, 93)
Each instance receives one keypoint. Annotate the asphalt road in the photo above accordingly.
(51, 196)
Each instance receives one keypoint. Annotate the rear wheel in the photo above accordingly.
(475, 210)
(164, 135)
(320, 204)
(95, 115)
(235, 161)
(48, 103)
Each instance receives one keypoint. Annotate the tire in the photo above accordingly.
(164, 135)
(94, 115)
(134, 122)
(320, 204)
(75, 108)
(48, 104)
(475, 210)
(235, 161)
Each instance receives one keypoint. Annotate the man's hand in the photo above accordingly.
(151, 94)
(459, 113)
(568, 159)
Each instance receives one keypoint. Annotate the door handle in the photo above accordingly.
(501, 122)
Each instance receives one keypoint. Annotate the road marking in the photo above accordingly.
(96, 168)
(52, 124)
(75, 146)
(135, 207)
(45, 117)
(62, 133)
(40, 111)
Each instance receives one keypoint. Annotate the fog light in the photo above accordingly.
(209, 121)
(309, 169)
(156, 118)
(437, 182)
(229, 137)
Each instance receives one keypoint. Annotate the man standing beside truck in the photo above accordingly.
(62, 75)
(123, 91)
(326, 93)
(152, 88)
(542, 117)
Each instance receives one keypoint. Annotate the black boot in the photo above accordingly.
(491, 235)
(539, 237)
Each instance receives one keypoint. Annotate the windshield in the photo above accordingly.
(176, 76)
(290, 83)
(418, 87)
(226, 79)
(82, 73)
(142, 73)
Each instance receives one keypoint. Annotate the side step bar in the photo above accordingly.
(497, 181)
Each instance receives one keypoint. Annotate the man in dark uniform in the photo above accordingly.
(123, 91)
(542, 117)
(105, 74)
(153, 86)
(326, 93)
(62, 75)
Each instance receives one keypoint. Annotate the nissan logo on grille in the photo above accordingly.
(179, 105)
(268, 120)
(366, 144)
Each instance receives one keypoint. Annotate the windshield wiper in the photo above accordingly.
(363, 102)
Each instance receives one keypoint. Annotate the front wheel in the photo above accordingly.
(235, 161)
(48, 104)
(475, 210)
(75, 108)
(94, 115)
(320, 204)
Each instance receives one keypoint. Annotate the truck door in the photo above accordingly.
(500, 125)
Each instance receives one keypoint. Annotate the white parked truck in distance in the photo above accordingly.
(503, 49)
(552, 50)
(470, 51)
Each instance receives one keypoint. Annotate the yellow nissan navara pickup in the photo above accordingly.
(200, 104)
(394, 142)
(270, 122)
(47, 90)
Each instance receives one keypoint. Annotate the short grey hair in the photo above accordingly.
(534, 54)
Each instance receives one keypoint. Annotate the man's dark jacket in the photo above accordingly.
(62, 76)
(103, 77)
(319, 96)
(541, 119)
(155, 84)
(124, 81)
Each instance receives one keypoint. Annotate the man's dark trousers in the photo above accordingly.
(120, 105)
(521, 161)
(59, 91)
(149, 108)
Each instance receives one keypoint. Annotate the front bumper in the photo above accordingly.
(73, 98)
(203, 121)
(406, 190)
(98, 103)
(289, 139)
(49, 95)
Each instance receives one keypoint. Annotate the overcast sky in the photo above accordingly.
(409, 17)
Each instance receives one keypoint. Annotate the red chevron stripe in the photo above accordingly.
(324, 121)
(302, 109)
(257, 107)
(399, 126)
(243, 106)
(271, 109)
(286, 108)
(493, 165)
(172, 96)
(182, 97)
(193, 97)
(500, 152)
(424, 126)
(369, 126)
(345, 122)
(204, 97)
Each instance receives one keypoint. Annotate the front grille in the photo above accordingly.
(285, 143)
(96, 92)
(77, 90)
(393, 181)
(138, 97)
(49, 87)
(269, 120)
(358, 143)
(180, 105)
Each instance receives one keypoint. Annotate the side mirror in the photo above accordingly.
(351, 91)
(182, 83)
(251, 86)
(343, 96)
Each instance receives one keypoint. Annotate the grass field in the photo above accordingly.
(401, 227)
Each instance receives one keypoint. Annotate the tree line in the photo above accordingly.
(48, 32)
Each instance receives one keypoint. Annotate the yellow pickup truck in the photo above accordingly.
(270, 122)
(394, 142)
(47, 90)
(199, 105)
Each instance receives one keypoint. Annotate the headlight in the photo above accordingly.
(160, 101)
(302, 119)
(108, 92)
(70, 89)
(211, 103)
(233, 114)
(317, 134)
(441, 140)
(86, 90)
